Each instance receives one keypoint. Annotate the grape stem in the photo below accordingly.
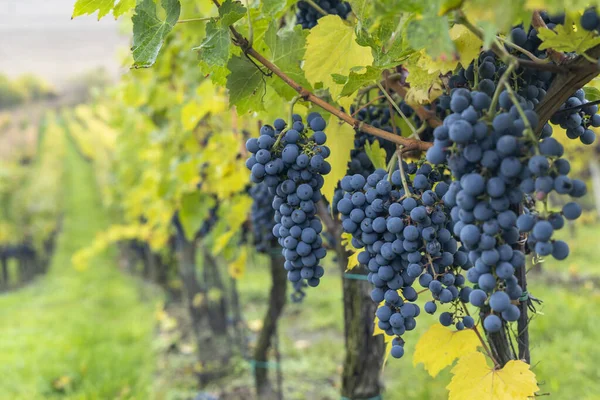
(521, 112)
(503, 79)
(407, 192)
(316, 7)
(242, 42)
(291, 116)
(507, 58)
(398, 110)
(522, 50)
(483, 343)
(202, 19)
(393, 82)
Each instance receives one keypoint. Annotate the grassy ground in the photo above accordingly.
(563, 336)
(78, 335)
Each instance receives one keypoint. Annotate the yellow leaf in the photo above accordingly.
(439, 347)
(238, 266)
(340, 139)
(214, 294)
(424, 86)
(467, 46)
(198, 300)
(331, 48)
(222, 241)
(353, 257)
(474, 379)
(376, 154)
(449, 5)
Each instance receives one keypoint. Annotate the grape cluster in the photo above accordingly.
(532, 84)
(291, 163)
(590, 20)
(576, 118)
(261, 216)
(307, 15)
(495, 167)
(405, 237)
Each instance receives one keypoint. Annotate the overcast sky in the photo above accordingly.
(39, 36)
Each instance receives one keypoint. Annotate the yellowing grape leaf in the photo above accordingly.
(353, 257)
(238, 266)
(474, 379)
(556, 7)
(103, 7)
(122, 7)
(449, 5)
(221, 242)
(424, 86)
(340, 139)
(376, 154)
(439, 347)
(332, 49)
(467, 46)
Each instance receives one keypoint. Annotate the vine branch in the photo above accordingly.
(242, 42)
(424, 114)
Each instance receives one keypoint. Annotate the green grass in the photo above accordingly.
(563, 339)
(91, 329)
(584, 243)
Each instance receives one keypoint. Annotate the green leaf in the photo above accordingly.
(287, 50)
(591, 93)
(393, 7)
(376, 154)
(246, 85)
(195, 209)
(339, 79)
(356, 81)
(362, 8)
(431, 34)
(271, 7)
(231, 12)
(149, 31)
(214, 49)
(568, 38)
